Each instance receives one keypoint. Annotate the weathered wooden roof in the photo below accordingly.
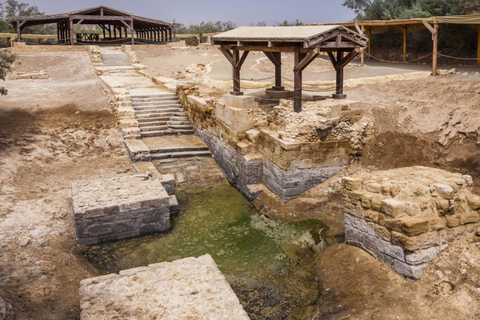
(93, 15)
(303, 36)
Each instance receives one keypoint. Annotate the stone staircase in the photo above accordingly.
(117, 62)
(160, 114)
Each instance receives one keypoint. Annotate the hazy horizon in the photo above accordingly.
(242, 13)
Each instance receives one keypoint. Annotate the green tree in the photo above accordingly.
(6, 60)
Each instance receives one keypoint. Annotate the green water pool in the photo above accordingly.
(267, 263)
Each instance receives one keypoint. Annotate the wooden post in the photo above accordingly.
(339, 77)
(71, 32)
(19, 30)
(477, 27)
(362, 55)
(115, 32)
(170, 36)
(174, 34)
(236, 74)
(369, 49)
(435, 51)
(278, 71)
(404, 29)
(120, 32)
(297, 83)
(132, 32)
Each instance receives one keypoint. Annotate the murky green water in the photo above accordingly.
(266, 262)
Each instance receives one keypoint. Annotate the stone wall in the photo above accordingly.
(22, 47)
(119, 208)
(406, 217)
(251, 152)
(191, 288)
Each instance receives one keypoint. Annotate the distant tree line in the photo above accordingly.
(405, 9)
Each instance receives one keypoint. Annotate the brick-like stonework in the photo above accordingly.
(191, 288)
(407, 216)
(120, 208)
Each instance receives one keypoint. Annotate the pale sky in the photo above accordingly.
(241, 12)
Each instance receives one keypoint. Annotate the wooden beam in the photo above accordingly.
(404, 30)
(429, 27)
(347, 59)
(71, 32)
(477, 27)
(101, 18)
(362, 56)
(242, 59)
(307, 60)
(236, 73)
(79, 22)
(126, 24)
(132, 32)
(435, 51)
(276, 59)
(228, 54)
(266, 48)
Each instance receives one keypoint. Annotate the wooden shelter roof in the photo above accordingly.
(94, 15)
(304, 36)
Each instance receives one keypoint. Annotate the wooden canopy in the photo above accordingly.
(306, 42)
(110, 20)
(432, 24)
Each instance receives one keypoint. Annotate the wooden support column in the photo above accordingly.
(434, 31)
(276, 59)
(301, 60)
(132, 32)
(70, 29)
(120, 32)
(115, 32)
(19, 30)
(477, 27)
(170, 36)
(174, 34)
(404, 30)
(236, 61)
(362, 55)
(339, 62)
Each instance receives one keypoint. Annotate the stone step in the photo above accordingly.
(150, 116)
(157, 111)
(153, 128)
(155, 99)
(161, 107)
(167, 118)
(183, 154)
(178, 149)
(166, 132)
(176, 123)
(152, 123)
(154, 96)
(156, 103)
(181, 126)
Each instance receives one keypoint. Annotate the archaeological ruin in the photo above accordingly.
(143, 178)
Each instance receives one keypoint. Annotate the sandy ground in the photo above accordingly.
(433, 122)
(52, 132)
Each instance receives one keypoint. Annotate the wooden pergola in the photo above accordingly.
(116, 25)
(306, 42)
(432, 24)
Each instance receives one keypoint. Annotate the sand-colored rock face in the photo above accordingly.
(407, 216)
(191, 288)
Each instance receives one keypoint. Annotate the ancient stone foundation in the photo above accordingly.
(287, 153)
(191, 288)
(120, 208)
(406, 217)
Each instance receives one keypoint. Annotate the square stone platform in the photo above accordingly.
(191, 288)
(119, 208)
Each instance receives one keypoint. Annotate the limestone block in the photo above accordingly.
(414, 227)
(252, 135)
(412, 209)
(421, 256)
(174, 206)
(377, 200)
(191, 288)
(127, 123)
(382, 232)
(220, 111)
(373, 187)
(119, 208)
(445, 191)
(125, 112)
(352, 184)
(238, 119)
(420, 242)
(131, 133)
(409, 271)
(473, 201)
(138, 150)
(393, 208)
(168, 182)
(389, 249)
(239, 102)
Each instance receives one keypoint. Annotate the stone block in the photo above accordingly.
(414, 227)
(174, 290)
(421, 242)
(240, 102)
(393, 208)
(409, 271)
(118, 208)
(473, 201)
(421, 256)
(174, 207)
(352, 184)
(138, 150)
(373, 187)
(168, 182)
(444, 190)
